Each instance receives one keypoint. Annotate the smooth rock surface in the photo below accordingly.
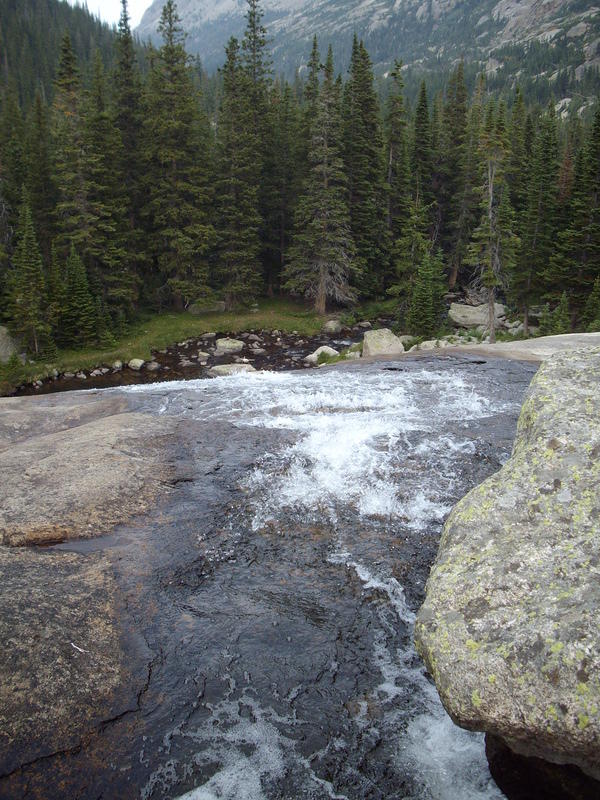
(8, 346)
(223, 370)
(136, 363)
(381, 342)
(75, 467)
(473, 316)
(227, 346)
(509, 627)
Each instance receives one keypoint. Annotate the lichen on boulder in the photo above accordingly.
(509, 627)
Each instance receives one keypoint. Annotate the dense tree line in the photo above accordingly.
(126, 192)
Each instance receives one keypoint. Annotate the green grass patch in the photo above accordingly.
(157, 331)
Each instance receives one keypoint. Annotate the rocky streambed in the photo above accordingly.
(195, 357)
(249, 633)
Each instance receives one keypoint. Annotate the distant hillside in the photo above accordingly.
(30, 35)
(544, 39)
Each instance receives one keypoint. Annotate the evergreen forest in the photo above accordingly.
(123, 187)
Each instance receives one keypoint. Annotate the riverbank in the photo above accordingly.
(152, 333)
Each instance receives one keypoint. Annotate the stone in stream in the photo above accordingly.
(313, 358)
(117, 366)
(227, 346)
(136, 364)
(152, 366)
(509, 627)
(8, 345)
(464, 316)
(381, 342)
(332, 326)
(224, 370)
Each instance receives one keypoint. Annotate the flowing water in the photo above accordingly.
(277, 591)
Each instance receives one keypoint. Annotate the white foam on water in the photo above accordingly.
(374, 443)
(447, 762)
(251, 753)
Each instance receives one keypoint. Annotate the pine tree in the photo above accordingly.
(104, 251)
(468, 202)
(421, 156)
(72, 215)
(363, 149)
(591, 313)
(177, 154)
(238, 266)
(409, 251)
(40, 186)
(322, 258)
(516, 172)
(78, 326)
(492, 250)
(398, 172)
(537, 238)
(26, 285)
(423, 317)
(127, 118)
(575, 262)
(453, 171)
(280, 181)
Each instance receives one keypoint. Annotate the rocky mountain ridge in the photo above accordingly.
(426, 33)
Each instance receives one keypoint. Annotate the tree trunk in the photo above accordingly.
(526, 322)
(492, 314)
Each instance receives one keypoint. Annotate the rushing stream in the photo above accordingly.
(277, 592)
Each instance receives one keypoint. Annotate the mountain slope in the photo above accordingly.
(426, 33)
(30, 36)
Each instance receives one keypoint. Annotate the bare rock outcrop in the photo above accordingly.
(75, 469)
(509, 627)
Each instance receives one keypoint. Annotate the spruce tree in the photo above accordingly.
(537, 237)
(104, 251)
(397, 166)
(322, 257)
(27, 287)
(363, 150)
(127, 118)
(73, 219)
(454, 161)
(236, 186)
(177, 155)
(40, 186)
(492, 250)
(409, 251)
(280, 181)
(426, 299)
(421, 155)
(79, 322)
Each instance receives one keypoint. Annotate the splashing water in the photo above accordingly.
(363, 449)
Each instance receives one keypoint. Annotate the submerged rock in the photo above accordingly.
(223, 370)
(381, 342)
(509, 627)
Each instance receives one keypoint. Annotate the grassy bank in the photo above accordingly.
(157, 331)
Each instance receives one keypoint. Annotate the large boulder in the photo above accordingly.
(228, 346)
(509, 627)
(8, 346)
(381, 342)
(464, 316)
